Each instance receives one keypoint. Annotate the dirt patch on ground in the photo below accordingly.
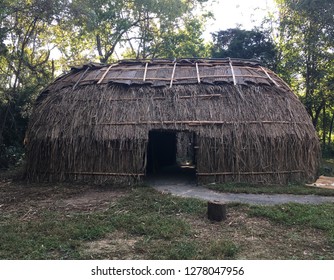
(115, 246)
(30, 199)
(324, 182)
(91, 200)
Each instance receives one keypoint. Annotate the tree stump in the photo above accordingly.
(216, 211)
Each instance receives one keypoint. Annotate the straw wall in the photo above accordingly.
(254, 133)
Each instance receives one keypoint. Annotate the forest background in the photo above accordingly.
(41, 39)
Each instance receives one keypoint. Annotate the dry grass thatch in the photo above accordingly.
(94, 122)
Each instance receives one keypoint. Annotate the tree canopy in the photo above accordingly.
(305, 40)
(248, 44)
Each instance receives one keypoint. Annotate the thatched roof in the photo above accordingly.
(96, 119)
(157, 73)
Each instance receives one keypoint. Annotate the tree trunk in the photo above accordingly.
(324, 126)
(216, 211)
(330, 129)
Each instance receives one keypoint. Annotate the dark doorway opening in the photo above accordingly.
(161, 151)
(170, 155)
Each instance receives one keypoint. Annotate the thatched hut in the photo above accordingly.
(232, 119)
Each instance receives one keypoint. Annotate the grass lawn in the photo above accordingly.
(64, 221)
(270, 189)
(327, 169)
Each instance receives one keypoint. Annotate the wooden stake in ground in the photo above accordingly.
(216, 211)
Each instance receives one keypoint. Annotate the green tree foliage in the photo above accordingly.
(3, 14)
(24, 65)
(248, 44)
(181, 39)
(112, 24)
(306, 40)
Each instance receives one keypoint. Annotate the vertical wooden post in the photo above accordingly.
(216, 211)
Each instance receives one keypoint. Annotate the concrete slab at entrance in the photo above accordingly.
(184, 189)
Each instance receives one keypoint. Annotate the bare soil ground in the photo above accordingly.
(30, 199)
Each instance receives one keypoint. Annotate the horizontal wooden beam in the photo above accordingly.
(175, 79)
(250, 173)
(198, 123)
(150, 98)
(105, 173)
